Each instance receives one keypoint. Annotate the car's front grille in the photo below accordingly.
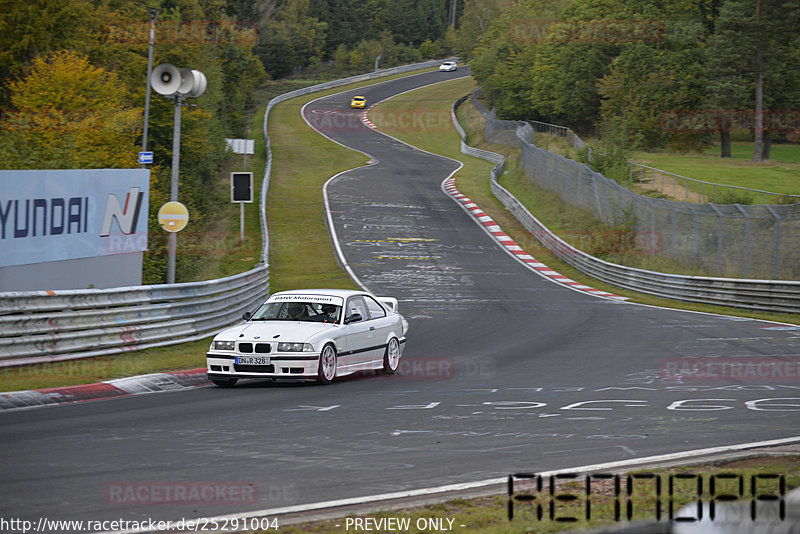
(242, 368)
(260, 348)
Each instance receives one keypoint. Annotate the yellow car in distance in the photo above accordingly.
(358, 102)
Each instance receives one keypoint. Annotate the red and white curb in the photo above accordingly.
(511, 246)
(365, 118)
(120, 387)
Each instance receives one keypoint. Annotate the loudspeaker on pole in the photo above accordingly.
(165, 79)
(193, 83)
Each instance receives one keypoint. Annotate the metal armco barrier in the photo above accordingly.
(40, 326)
(47, 326)
(762, 295)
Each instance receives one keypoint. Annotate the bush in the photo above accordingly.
(734, 196)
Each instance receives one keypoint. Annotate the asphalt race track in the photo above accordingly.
(504, 371)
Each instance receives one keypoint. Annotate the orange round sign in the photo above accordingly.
(173, 216)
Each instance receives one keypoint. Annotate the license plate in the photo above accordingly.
(253, 360)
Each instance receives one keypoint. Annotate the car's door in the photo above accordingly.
(380, 325)
(360, 334)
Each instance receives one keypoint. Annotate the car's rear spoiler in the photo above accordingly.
(388, 302)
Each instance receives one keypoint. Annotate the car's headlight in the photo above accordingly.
(295, 347)
(224, 345)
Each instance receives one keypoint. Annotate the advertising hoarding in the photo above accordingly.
(56, 215)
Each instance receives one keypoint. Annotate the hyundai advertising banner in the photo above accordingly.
(54, 215)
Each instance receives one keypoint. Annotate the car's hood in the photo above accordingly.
(274, 331)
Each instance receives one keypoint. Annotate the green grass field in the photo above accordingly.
(778, 175)
(780, 153)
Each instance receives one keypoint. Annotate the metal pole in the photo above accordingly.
(241, 204)
(241, 221)
(153, 14)
(746, 259)
(173, 194)
(776, 253)
(720, 232)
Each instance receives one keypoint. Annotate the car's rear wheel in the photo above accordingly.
(391, 358)
(225, 382)
(327, 364)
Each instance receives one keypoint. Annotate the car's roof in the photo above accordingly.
(448, 62)
(344, 293)
(355, 97)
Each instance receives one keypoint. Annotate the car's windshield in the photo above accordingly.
(316, 312)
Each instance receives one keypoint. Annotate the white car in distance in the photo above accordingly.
(318, 334)
(448, 66)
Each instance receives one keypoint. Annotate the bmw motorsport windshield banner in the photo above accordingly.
(54, 215)
(322, 299)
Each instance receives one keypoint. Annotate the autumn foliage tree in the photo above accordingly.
(67, 113)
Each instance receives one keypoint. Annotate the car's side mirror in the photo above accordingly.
(353, 318)
(246, 316)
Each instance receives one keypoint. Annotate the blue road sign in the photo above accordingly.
(145, 157)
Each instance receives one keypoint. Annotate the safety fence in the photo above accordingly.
(731, 240)
(763, 295)
(699, 191)
(47, 326)
(669, 183)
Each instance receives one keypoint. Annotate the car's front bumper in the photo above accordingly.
(297, 366)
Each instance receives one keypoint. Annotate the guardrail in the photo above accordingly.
(761, 295)
(46, 326)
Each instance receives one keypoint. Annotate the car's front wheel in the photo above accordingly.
(327, 364)
(391, 358)
(225, 382)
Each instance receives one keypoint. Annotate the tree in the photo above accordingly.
(749, 62)
(34, 28)
(293, 39)
(477, 18)
(68, 113)
(727, 69)
(650, 80)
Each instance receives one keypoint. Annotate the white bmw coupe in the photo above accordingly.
(317, 334)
